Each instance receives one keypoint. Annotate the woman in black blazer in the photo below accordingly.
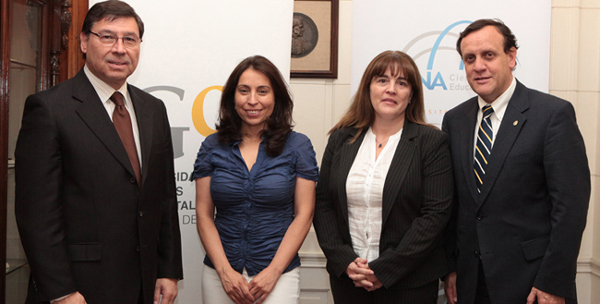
(385, 191)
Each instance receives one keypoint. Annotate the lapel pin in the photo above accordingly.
(515, 123)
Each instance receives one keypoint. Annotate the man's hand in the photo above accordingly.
(74, 298)
(450, 288)
(167, 288)
(543, 297)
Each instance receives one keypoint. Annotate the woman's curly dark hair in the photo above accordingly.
(278, 126)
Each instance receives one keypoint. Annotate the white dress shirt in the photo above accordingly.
(364, 190)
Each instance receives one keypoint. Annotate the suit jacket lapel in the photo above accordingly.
(466, 140)
(94, 114)
(511, 125)
(347, 154)
(403, 157)
(144, 121)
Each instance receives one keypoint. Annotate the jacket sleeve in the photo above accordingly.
(39, 202)
(170, 256)
(327, 214)
(568, 181)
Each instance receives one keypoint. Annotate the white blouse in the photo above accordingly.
(364, 190)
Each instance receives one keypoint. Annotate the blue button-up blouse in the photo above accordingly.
(254, 209)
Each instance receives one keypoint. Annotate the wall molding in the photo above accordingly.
(312, 260)
(589, 266)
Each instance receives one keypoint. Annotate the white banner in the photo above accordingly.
(428, 30)
(189, 49)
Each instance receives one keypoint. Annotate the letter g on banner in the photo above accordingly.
(198, 112)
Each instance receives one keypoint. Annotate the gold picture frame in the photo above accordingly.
(314, 52)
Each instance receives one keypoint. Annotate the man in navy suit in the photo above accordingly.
(95, 190)
(522, 200)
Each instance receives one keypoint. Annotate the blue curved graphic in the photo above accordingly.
(437, 43)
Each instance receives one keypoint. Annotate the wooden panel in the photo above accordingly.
(4, 66)
(74, 55)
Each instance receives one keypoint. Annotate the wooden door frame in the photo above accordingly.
(72, 56)
(4, 69)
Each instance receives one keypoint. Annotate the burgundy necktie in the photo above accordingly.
(122, 122)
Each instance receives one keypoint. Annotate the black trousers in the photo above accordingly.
(344, 292)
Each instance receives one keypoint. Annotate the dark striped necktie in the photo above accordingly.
(483, 149)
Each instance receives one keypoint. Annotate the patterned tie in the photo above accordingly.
(483, 148)
(122, 122)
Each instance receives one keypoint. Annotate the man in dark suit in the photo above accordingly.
(522, 181)
(95, 201)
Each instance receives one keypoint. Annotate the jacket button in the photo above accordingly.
(137, 248)
(477, 254)
(132, 180)
(141, 213)
(479, 217)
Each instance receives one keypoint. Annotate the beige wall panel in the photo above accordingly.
(589, 50)
(564, 44)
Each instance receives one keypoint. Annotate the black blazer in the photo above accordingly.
(85, 224)
(417, 200)
(528, 220)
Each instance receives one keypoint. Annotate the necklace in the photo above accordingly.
(381, 143)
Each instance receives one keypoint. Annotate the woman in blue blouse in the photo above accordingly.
(260, 175)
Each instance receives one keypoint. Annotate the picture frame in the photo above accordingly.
(314, 52)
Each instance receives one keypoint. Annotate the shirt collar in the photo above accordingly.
(104, 90)
(262, 142)
(501, 102)
(393, 138)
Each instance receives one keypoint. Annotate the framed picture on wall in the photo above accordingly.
(315, 39)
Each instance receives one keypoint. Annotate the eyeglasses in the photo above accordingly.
(110, 40)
